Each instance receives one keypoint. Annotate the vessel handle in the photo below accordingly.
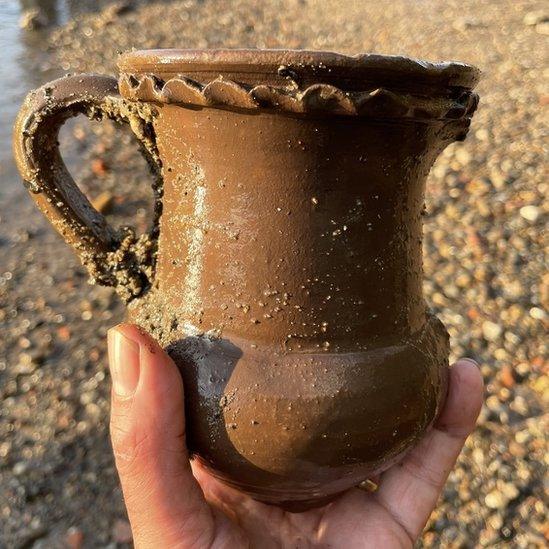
(115, 258)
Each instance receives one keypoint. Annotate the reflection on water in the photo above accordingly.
(26, 64)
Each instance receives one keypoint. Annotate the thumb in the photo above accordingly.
(165, 504)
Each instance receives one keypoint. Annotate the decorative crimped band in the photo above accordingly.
(457, 104)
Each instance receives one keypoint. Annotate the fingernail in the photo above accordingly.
(471, 360)
(123, 362)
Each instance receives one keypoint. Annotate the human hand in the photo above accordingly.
(172, 502)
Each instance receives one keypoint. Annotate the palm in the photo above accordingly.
(172, 503)
(394, 516)
(356, 517)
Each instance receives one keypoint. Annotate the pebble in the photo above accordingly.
(464, 23)
(32, 19)
(121, 531)
(24, 368)
(463, 156)
(104, 201)
(496, 500)
(537, 313)
(118, 8)
(532, 18)
(99, 167)
(530, 213)
(20, 468)
(507, 376)
(510, 491)
(64, 333)
(493, 403)
(74, 538)
(491, 331)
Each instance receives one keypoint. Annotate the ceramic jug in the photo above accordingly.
(283, 270)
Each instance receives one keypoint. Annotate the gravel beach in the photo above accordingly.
(484, 258)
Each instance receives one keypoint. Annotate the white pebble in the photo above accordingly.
(495, 500)
(510, 490)
(534, 17)
(530, 213)
(463, 156)
(537, 313)
(19, 468)
(490, 330)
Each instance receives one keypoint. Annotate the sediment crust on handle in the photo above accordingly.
(117, 258)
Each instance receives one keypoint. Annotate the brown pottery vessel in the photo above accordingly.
(283, 270)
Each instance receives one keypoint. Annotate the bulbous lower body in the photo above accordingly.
(296, 429)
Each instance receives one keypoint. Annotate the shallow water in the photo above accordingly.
(26, 63)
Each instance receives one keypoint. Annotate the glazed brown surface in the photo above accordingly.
(287, 259)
